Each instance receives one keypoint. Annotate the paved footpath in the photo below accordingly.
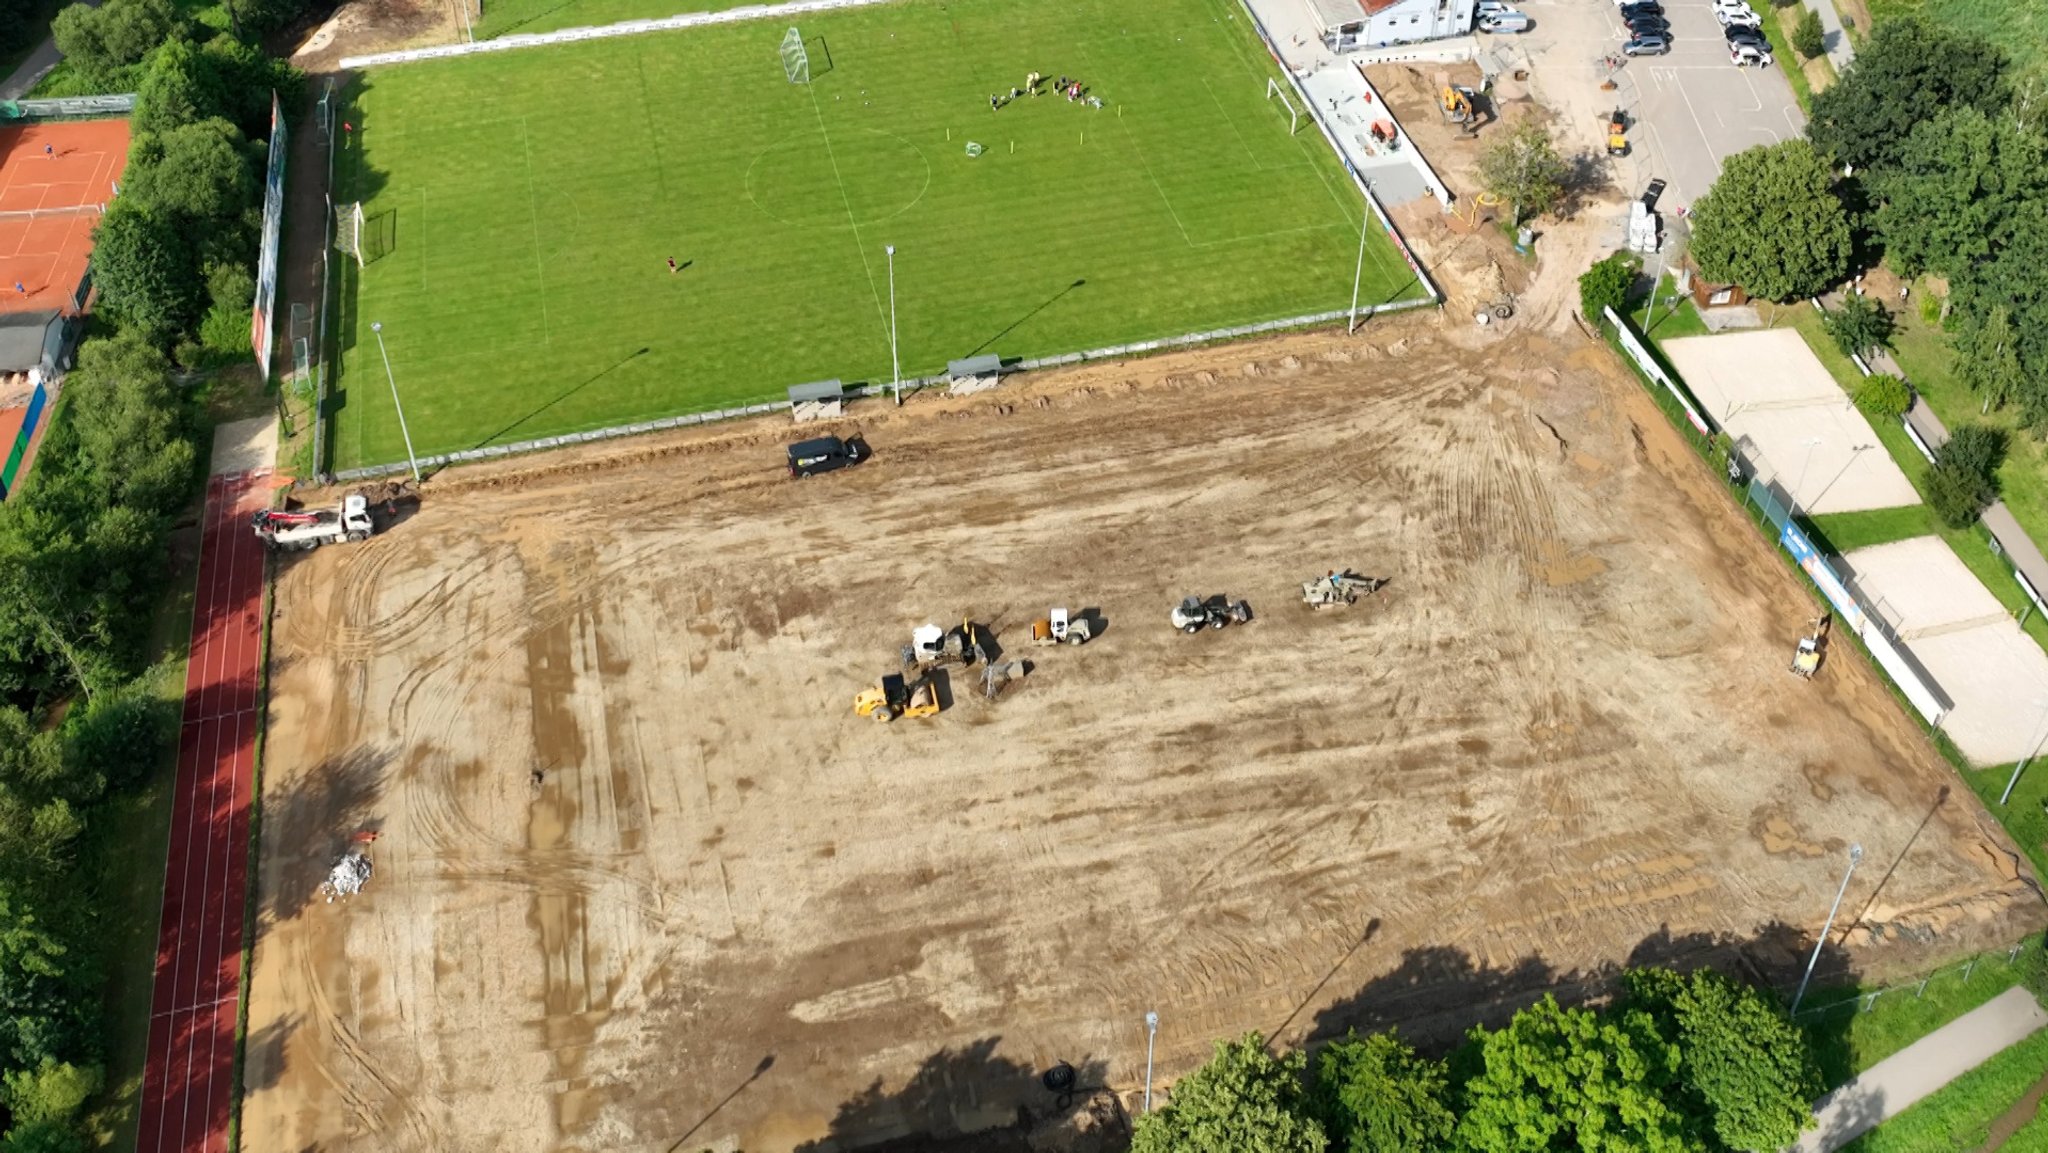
(1833, 37)
(1887, 1088)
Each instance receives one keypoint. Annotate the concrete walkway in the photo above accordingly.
(1833, 37)
(1889, 1087)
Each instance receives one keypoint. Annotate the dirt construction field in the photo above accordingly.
(731, 915)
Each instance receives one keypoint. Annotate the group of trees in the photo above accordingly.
(1929, 152)
(1678, 1064)
(173, 256)
(82, 546)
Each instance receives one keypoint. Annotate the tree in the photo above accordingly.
(1607, 284)
(1956, 497)
(225, 78)
(44, 1137)
(1560, 1078)
(1988, 360)
(1949, 201)
(1524, 169)
(1375, 1095)
(1245, 1100)
(1860, 326)
(1908, 68)
(145, 270)
(130, 436)
(1978, 450)
(1772, 224)
(198, 174)
(104, 44)
(51, 1091)
(1749, 1069)
(1807, 37)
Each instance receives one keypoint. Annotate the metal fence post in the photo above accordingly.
(1967, 969)
(1923, 987)
(1870, 1002)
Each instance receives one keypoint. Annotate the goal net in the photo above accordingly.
(1275, 92)
(348, 229)
(796, 63)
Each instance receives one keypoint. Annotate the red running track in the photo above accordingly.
(188, 1082)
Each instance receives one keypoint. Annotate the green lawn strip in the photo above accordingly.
(1847, 1040)
(1775, 30)
(1842, 531)
(520, 241)
(1671, 320)
(1924, 353)
(1959, 1116)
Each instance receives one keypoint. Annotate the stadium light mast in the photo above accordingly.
(377, 326)
(1151, 1031)
(895, 364)
(1358, 273)
(1855, 855)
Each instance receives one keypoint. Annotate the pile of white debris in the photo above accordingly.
(348, 876)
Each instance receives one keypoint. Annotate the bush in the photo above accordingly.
(224, 330)
(1885, 396)
(1607, 284)
(1807, 39)
(1956, 496)
(1930, 308)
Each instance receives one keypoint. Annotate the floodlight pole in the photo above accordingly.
(1358, 273)
(377, 327)
(467, 28)
(1855, 855)
(1151, 1031)
(2022, 766)
(895, 363)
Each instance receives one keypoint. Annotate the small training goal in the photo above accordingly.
(348, 229)
(1275, 92)
(796, 62)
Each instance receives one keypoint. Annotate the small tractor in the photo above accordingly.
(1056, 628)
(1617, 133)
(1459, 106)
(1339, 588)
(299, 531)
(896, 697)
(1812, 648)
(1193, 614)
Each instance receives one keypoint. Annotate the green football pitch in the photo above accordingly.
(521, 209)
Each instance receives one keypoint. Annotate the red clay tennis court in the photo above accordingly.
(55, 180)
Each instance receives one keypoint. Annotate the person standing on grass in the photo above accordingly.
(672, 269)
(994, 102)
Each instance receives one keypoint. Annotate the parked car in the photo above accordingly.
(1486, 8)
(1646, 8)
(1649, 26)
(825, 454)
(1504, 22)
(1743, 55)
(1745, 18)
(1744, 34)
(1646, 46)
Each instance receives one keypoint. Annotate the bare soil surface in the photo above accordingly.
(644, 883)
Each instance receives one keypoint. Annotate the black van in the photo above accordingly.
(826, 453)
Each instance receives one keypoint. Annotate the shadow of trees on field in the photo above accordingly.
(972, 1099)
(307, 823)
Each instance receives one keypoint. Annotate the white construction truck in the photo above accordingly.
(299, 531)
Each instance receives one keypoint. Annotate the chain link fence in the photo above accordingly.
(1865, 1001)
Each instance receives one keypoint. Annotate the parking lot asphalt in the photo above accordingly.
(1689, 110)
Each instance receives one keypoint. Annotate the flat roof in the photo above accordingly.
(1333, 14)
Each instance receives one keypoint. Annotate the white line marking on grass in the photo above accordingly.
(533, 214)
(1147, 166)
(851, 220)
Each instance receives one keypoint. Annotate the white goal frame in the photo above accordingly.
(1274, 90)
(796, 61)
(348, 229)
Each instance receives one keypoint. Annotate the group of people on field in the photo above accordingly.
(1075, 91)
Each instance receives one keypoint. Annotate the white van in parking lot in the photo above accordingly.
(1505, 20)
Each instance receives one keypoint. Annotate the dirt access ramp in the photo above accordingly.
(730, 914)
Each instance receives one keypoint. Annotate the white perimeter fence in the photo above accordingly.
(607, 31)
